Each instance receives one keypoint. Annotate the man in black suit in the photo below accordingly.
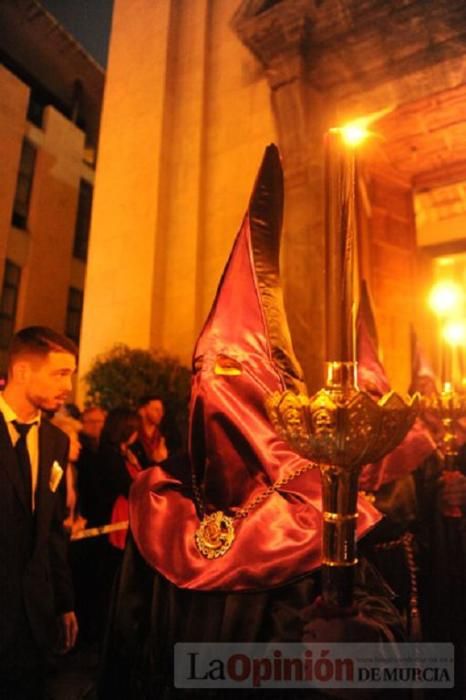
(35, 582)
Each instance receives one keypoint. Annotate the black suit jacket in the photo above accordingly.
(35, 580)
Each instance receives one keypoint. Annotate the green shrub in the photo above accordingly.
(124, 375)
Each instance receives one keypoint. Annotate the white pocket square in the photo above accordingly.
(56, 474)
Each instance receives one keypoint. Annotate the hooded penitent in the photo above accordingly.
(418, 444)
(424, 380)
(423, 377)
(371, 373)
(243, 353)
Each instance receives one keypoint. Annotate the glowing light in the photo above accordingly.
(454, 332)
(354, 134)
(356, 131)
(445, 298)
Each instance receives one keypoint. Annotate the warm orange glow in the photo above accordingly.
(356, 131)
(353, 134)
(454, 332)
(445, 298)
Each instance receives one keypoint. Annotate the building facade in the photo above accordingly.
(50, 97)
(195, 91)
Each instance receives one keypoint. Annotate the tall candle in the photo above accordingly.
(340, 228)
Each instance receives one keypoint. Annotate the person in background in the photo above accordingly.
(35, 579)
(71, 410)
(88, 556)
(83, 553)
(88, 475)
(92, 419)
(118, 466)
(120, 431)
(71, 427)
(150, 447)
(420, 548)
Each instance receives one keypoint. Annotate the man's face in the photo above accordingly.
(93, 422)
(154, 411)
(47, 381)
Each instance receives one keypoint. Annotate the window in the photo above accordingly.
(74, 314)
(8, 302)
(83, 221)
(24, 185)
(36, 106)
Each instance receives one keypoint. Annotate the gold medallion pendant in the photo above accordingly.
(215, 535)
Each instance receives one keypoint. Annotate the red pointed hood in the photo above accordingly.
(423, 377)
(371, 373)
(243, 353)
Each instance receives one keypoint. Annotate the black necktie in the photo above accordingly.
(22, 454)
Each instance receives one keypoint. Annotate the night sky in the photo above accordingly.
(88, 20)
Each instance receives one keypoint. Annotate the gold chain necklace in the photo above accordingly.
(216, 533)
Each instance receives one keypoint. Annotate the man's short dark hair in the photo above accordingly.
(40, 341)
(144, 400)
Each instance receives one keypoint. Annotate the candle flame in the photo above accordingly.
(354, 134)
(445, 298)
(357, 130)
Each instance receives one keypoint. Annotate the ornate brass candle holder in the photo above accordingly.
(447, 407)
(341, 428)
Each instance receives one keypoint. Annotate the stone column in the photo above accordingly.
(277, 36)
